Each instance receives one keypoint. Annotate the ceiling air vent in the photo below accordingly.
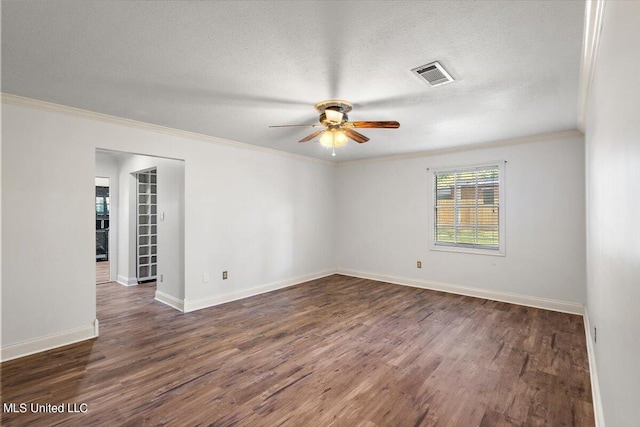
(434, 73)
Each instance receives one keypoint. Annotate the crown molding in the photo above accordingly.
(8, 98)
(593, 17)
(470, 147)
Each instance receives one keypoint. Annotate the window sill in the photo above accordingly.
(475, 251)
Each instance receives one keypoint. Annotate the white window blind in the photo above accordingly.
(467, 208)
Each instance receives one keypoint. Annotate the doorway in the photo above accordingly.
(102, 213)
(146, 221)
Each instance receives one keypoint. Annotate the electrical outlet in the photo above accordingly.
(224, 275)
(162, 278)
(595, 335)
(419, 265)
(205, 278)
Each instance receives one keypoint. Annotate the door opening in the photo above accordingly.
(145, 244)
(103, 211)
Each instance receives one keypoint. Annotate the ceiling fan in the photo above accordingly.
(336, 124)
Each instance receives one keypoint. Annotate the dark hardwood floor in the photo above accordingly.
(335, 351)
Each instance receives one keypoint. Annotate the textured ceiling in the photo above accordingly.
(230, 69)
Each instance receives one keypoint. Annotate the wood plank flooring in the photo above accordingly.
(337, 351)
(102, 272)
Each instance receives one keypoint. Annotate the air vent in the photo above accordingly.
(434, 73)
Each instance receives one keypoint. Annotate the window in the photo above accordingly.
(468, 209)
(99, 205)
(102, 206)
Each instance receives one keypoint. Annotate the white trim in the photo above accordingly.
(127, 281)
(198, 304)
(49, 106)
(463, 249)
(593, 17)
(529, 301)
(468, 147)
(50, 342)
(169, 300)
(8, 98)
(593, 373)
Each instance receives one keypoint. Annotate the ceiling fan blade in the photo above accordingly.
(356, 136)
(386, 125)
(310, 137)
(296, 126)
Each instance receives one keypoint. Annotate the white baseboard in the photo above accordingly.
(529, 301)
(171, 301)
(595, 385)
(193, 305)
(127, 281)
(49, 342)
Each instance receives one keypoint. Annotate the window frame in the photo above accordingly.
(462, 248)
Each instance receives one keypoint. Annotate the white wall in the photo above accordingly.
(384, 221)
(613, 213)
(261, 218)
(171, 229)
(1, 259)
(265, 218)
(48, 197)
(107, 167)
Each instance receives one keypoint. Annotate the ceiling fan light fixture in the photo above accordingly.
(333, 138)
(327, 139)
(339, 139)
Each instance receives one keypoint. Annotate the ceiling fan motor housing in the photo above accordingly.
(333, 105)
(330, 123)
